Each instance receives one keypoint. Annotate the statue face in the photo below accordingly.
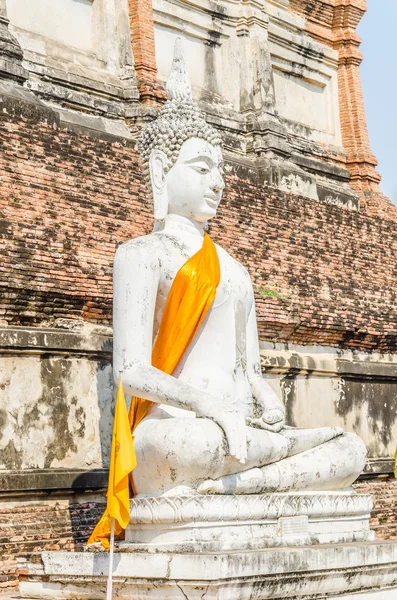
(195, 183)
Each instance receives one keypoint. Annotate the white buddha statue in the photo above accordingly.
(215, 425)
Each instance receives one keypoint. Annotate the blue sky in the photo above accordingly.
(378, 30)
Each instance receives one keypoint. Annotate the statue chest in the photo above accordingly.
(234, 285)
(225, 324)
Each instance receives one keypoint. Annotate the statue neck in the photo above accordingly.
(178, 224)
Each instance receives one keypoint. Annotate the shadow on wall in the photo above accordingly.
(106, 394)
(92, 484)
(106, 402)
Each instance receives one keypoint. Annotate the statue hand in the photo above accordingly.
(234, 427)
(272, 420)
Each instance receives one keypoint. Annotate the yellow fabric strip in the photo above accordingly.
(191, 295)
(122, 461)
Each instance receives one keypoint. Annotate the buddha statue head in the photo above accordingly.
(182, 153)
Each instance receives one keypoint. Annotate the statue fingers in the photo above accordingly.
(234, 428)
(277, 427)
(273, 416)
(231, 445)
(242, 445)
(237, 441)
(261, 424)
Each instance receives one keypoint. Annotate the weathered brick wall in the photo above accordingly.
(323, 274)
(27, 530)
(384, 513)
(66, 202)
(333, 269)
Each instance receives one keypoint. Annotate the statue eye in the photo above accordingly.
(202, 169)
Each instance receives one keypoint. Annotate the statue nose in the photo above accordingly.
(218, 186)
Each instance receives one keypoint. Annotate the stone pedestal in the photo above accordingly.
(241, 522)
(277, 546)
(307, 572)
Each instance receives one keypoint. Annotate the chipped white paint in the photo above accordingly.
(349, 389)
(330, 571)
(298, 185)
(239, 443)
(53, 411)
(55, 407)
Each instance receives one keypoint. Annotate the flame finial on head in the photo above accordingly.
(178, 86)
(178, 120)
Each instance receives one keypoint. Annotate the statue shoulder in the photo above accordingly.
(142, 248)
(224, 255)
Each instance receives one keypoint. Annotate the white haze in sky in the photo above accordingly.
(378, 30)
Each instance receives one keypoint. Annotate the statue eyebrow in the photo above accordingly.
(202, 157)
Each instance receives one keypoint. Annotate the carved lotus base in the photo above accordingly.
(213, 523)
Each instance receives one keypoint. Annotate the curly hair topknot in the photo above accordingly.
(177, 121)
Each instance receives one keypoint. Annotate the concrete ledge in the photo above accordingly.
(53, 479)
(23, 101)
(32, 340)
(278, 573)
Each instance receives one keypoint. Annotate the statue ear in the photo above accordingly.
(157, 166)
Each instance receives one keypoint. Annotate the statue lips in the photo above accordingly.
(212, 201)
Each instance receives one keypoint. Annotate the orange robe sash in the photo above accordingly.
(191, 295)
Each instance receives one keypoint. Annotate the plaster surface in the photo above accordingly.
(265, 82)
(325, 571)
(87, 50)
(39, 17)
(349, 389)
(55, 409)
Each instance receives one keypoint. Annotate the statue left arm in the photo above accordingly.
(271, 410)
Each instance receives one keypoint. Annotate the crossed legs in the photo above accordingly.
(176, 455)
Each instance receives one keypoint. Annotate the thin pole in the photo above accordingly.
(110, 574)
